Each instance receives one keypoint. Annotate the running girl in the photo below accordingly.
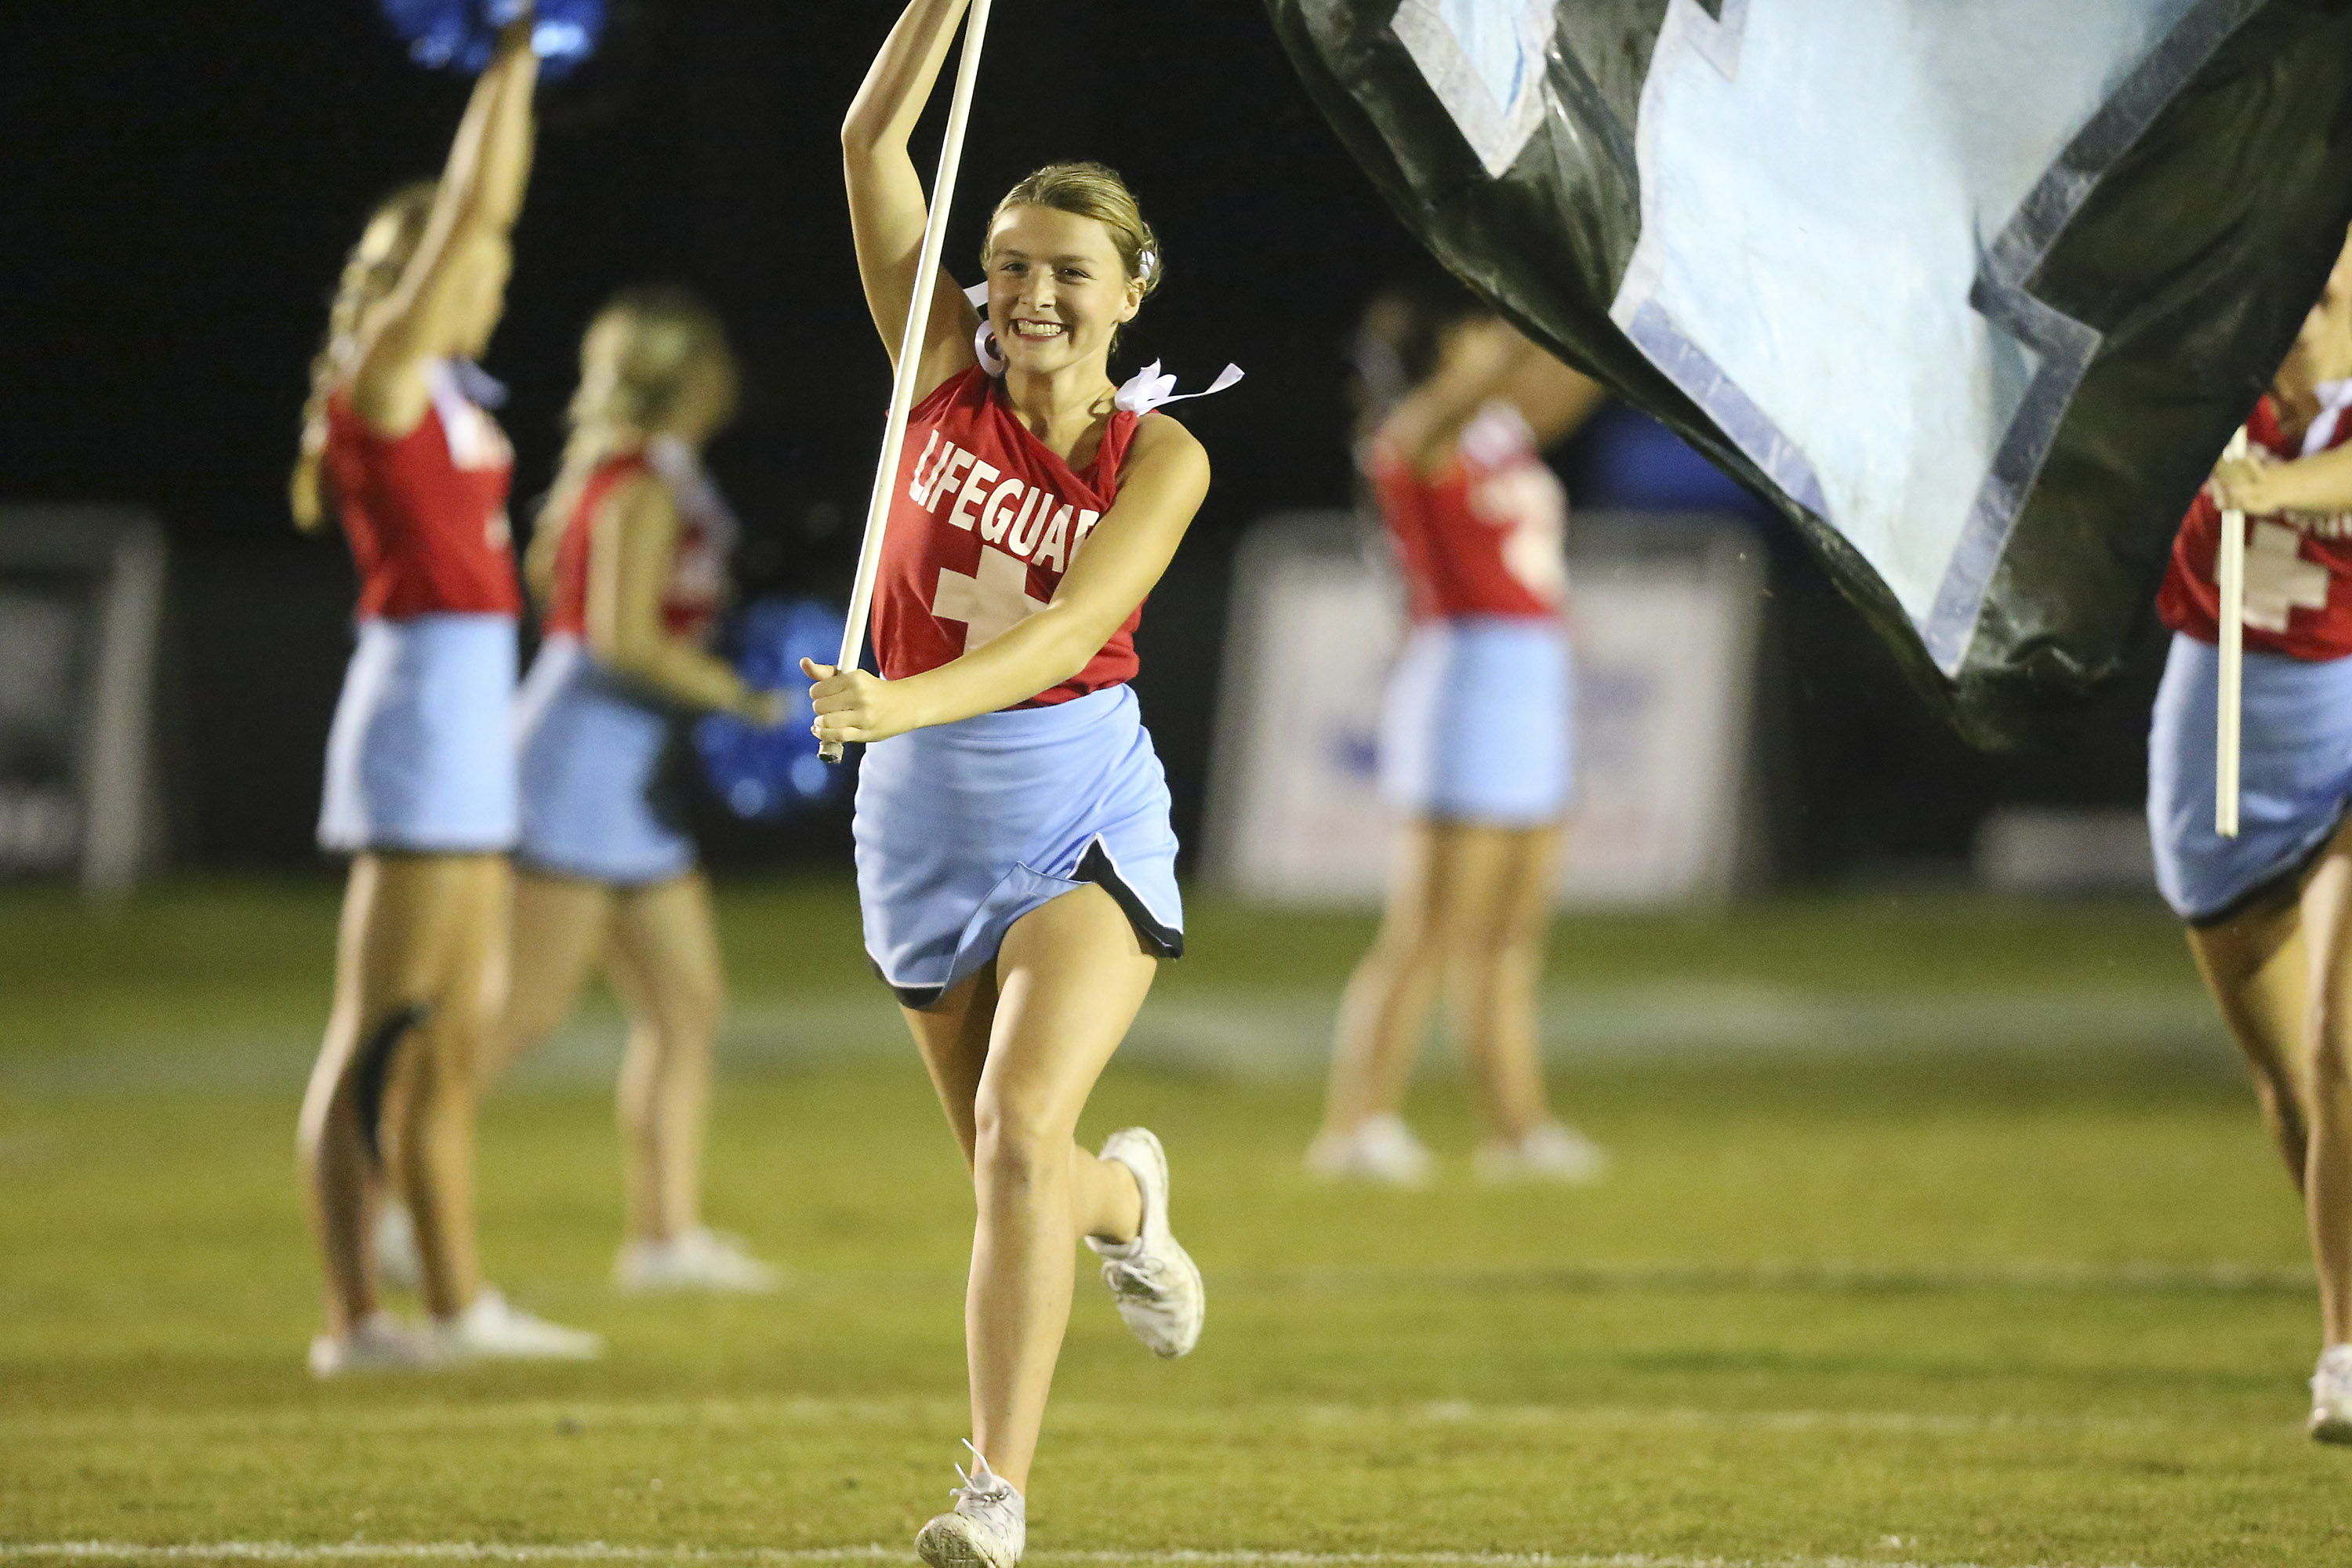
(630, 562)
(2289, 869)
(1474, 750)
(1015, 864)
(420, 787)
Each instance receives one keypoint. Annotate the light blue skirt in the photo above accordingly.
(596, 797)
(420, 758)
(2294, 778)
(1479, 721)
(963, 828)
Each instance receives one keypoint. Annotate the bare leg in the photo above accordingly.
(2327, 1104)
(423, 936)
(336, 1172)
(1384, 1011)
(1497, 929)
(664, 961)
(2240, 961)
(430, 1140)
(561, 925)
(1067, 984)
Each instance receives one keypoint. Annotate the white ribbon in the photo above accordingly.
(476, 383)
(2335, 397)
(680, 468)
(1149, 389)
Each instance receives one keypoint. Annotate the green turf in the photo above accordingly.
(1945, 1306)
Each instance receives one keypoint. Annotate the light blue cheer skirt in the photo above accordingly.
(963, 828)
(1478, 722)
(2294, 778)
(421, 757)
(599, 801)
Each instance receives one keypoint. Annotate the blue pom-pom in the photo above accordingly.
(764, 774)
(461, 35)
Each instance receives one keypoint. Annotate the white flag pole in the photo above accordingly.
(910, 348)
(2228, 709)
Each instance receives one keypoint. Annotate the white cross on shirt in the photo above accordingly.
(990, 602)
(2279, 582)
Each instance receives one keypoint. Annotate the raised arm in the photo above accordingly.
(1163, 481)
(480, 193)
(634, 547)
(1499, 365)
(885, 195)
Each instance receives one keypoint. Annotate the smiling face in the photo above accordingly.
(1058, 291)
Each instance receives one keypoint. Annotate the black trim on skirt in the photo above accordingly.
(1095, 866)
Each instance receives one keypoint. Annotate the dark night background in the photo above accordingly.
(182, 179)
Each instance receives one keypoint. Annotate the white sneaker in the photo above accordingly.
(1153, 1279)
(397, 1265)
(1548, 1153)
(493, 1329)
(697, 1259)
(2331, 1396)
(1379, 1149)
(377, 1343)
(987, 1528)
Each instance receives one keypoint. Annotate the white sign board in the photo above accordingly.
(1665, 617)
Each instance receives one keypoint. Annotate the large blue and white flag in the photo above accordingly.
(1975, 293)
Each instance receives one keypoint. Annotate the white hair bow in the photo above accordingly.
(1148, 389)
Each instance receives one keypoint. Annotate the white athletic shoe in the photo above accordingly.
(987, 1527)
(1153, 1279)
(2331, 1396)
(377, 1343)
(397, 1265)
(1379, 1149)
(493, 1329)
(1548, 1153)
(697, 1259)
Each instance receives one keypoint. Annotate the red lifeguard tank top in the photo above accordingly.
(983, 522)
(2298, 564)
(697, 589)
(1485, 534)
(426, 513)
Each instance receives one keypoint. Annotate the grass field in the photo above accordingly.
(1942, 1232)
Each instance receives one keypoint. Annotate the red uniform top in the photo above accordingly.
(697, 589)
(426, 513)
(983, 522)
(2298, 564)
(1483, 535)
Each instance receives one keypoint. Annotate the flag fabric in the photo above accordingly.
(1974, 294)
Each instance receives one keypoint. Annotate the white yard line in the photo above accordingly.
(834, 1415)
(602, 1552)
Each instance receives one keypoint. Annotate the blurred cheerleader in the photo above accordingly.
(1475, 750)
(2284, 885)
(420, 786)
(1015, 863)
(629, 563)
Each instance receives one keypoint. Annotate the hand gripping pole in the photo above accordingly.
(910, 348)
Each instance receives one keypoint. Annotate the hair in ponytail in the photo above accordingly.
(370, 273)
(635, 361)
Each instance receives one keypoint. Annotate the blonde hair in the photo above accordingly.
(371, 271)
(1095, 191)
(635, 360)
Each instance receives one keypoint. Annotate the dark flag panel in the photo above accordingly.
(1975, 295)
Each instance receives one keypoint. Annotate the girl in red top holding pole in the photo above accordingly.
(1016, 865)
